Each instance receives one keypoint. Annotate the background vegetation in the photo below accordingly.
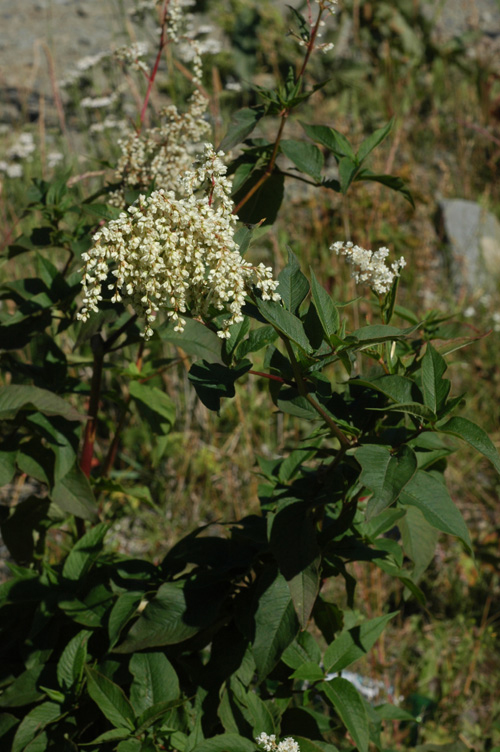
(442, 658)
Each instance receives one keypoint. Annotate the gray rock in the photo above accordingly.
(473, 236)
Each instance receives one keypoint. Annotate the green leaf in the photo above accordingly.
(155, 406)
(294, 544)
(411, 408)
(7, 721)
(24, 689)
(385, 474)
(314, 745)
(285, 322)
(226, 743)
(398, 388)
(275, 623)
(432, 498)
(347, 173)
(25, 519)
(354, 643)
(293, 285)
(129, 745)
(72, 661)
(306, 157)
(242, 124)
(33, 723)
(113, 735)
(473, 435)
(213, 381)
(309, 671)
(155, 681)
(73, 495)
(196, 339)
(434, 387)
(110, 699)
(332, 139)
(256, 340)
(379, 333)
(7, 466)
(165, 620)
(389, 712)
(155, 713)
(395, 183)
(263, 206)
(84, 553)
(419, 540)
(351, 709)
(19, 397)
(53, 694)
(325, 308)
(374, 140)
(124, 608)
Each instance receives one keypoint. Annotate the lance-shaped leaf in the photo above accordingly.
(419, 540)
(154, 681)
(85, 552)
(288, 324)
(347, 172)
(33, 724)
(434, 387)
(431, 496)
(391, 181)
(331, 139)
(293, 285)
(294, 543)
(473, 435)
(275, 623)
(354, 643)
(72, 661)
(350, 708)
(385, 474)
(110, 698)
(305, 156)
(242, 124)
(17, 397)
(374, 140)
(325, 308)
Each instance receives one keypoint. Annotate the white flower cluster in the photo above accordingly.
(176, 254)
(371, 267)
(98, 103)
(269, 744)
(132, 54)
(21, 150)
(164, 153)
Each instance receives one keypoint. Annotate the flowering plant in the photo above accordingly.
(235, 633)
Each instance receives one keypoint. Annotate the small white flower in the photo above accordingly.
(371, 268)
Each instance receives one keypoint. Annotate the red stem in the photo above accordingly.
(152, 77)
(284, 115)
(97, 345)
(268, 376)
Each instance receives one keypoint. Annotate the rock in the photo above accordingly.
(473, 235)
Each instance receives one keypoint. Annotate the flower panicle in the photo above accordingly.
(176, 254)
(269, 744)
(370, 266)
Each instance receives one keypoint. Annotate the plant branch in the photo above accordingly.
(161, 45)
(284, 116)
(303, 391)
(98, 350)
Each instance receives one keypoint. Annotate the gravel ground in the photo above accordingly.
(72, 29)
